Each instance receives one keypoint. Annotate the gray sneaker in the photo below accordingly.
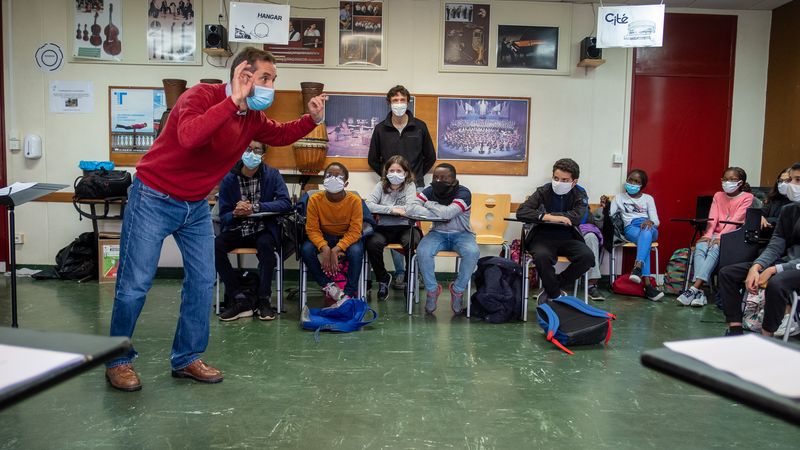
(685, 298)
(399, 282)
(432, 299)
(781, 331)
(595, 294)
(699, 299)
(333, 291)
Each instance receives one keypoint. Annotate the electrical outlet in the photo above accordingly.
(19, 238)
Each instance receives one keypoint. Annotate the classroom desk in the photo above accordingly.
(700, 374)
(94, 349)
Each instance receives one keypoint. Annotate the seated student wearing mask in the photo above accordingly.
(555, 211)
(445, 198)
(778, 266)
(333, 225)
(250, 187)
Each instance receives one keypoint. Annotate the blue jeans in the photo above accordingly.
(355, 258)
(462, 243)
(399, 260)
(705, 260)
(150, 217)
(643, 239)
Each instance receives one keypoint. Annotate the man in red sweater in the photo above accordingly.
(203, 138)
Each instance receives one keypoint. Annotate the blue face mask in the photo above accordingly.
(632, 189)
(261, 99)
(251, 160)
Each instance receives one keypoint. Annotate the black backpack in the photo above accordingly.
(498, 290)
(76, 261)
(248, 283)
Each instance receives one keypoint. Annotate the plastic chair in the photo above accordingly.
(792, 313)
(527, 261)
(613, 274)
(486, 219)
(240, 252)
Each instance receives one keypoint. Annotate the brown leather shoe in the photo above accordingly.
(200, 371)
(124, 378)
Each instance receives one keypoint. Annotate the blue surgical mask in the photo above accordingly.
(261, 99)
(251, 160)
(632, 189)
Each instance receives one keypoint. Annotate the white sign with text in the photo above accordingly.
(259, 23)
(630, 26)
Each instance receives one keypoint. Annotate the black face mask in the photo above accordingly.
(444, 193)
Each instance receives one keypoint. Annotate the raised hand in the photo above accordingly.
(242, 84)
(316, 107)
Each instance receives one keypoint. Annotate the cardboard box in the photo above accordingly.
(108, 260)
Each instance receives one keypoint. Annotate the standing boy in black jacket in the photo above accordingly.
(555, 210)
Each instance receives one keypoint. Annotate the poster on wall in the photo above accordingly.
(134, 117)
(259, 23)
(71, 96)
(171, 31)
(350, 121)
(483, 129)
(466, 34)
(361, 33)
(306, 43)
(523, 47)
(98, 29)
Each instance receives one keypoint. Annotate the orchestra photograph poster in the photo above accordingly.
(361, 37)
(527, 47)
(306, 42)
(171, 31)
(98, 30)
(466, 34)
(483, 129)
(350, 120)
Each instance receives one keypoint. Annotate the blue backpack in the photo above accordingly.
(568, 321)
(344, 316)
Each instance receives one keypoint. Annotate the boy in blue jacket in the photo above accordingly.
(250, 187)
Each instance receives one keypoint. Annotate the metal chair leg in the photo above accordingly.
(792, 312)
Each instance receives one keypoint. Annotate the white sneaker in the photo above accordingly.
(333, 291)
(685, 298)
(782, 328)
(699, 299)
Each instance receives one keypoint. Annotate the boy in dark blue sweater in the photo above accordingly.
(250, 187)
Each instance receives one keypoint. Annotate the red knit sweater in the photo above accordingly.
(203, 139)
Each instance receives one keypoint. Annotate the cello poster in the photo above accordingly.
(98, 29)
(171, 31)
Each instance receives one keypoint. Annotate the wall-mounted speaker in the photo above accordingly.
(589, 49)
(215, 36)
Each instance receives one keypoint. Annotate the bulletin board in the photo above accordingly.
(288, 106)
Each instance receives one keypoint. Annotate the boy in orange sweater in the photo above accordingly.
(333, 225)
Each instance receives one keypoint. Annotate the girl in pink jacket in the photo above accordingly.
(730, 206)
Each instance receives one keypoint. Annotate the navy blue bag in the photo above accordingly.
(344, 316)
(568, 321)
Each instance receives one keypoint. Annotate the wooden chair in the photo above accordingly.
(486, 219)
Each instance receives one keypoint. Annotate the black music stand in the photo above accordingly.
(11, 199)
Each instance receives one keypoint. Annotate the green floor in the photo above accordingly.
(406, 382)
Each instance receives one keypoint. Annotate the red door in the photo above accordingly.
(681, 116)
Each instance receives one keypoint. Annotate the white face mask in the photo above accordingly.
(783, 187)
(396, 177)
(730, 186)
(793, 192)
(334, 185)
(398, 109)
(561, 188)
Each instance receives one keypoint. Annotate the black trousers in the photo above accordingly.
(779, 293)
(545, 255)
(262, 241)
(383, 236)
